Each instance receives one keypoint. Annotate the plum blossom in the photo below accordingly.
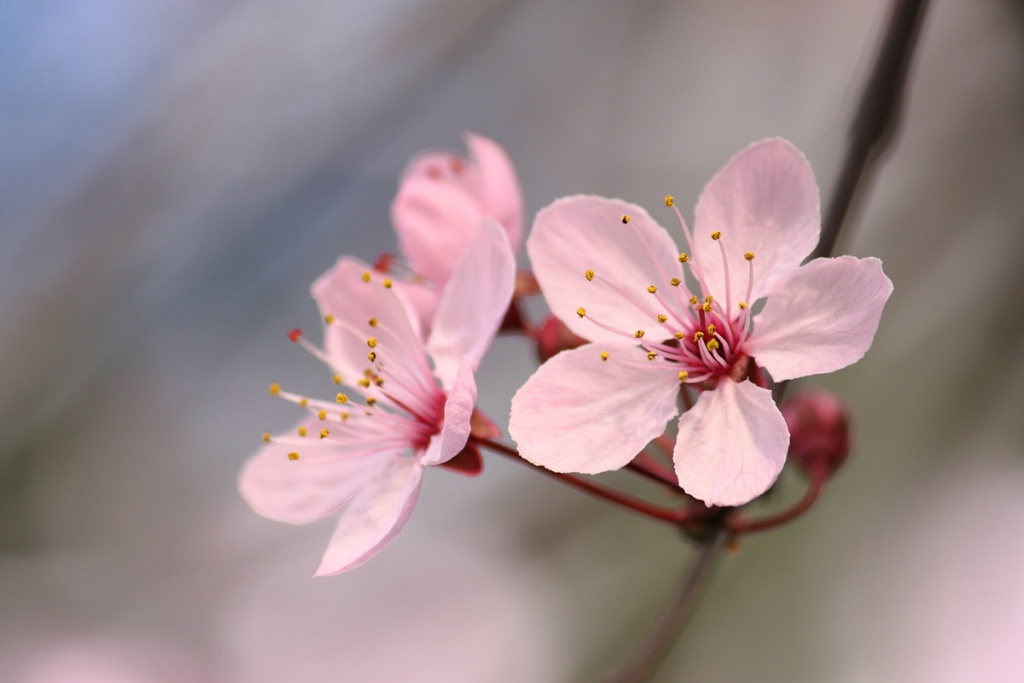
(441, 200)
(402, 403)
(664, 324)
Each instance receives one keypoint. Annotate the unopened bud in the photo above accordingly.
(554, 337)
(819, 431)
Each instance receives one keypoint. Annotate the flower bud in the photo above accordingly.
(554, 337)
(819, 431)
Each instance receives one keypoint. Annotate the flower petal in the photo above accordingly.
(498, 186)
(578, 413)
(474, 302)
(374, 516)
(731, 444)
(458, 411)
(581, 233)
(822, 318)
(304, 490)
(434, 218)
(765, 201)
(354, 294)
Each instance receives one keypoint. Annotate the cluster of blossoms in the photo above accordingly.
(656, 329)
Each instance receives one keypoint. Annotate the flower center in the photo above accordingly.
(701, 336)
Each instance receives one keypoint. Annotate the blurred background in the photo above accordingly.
(173, 176)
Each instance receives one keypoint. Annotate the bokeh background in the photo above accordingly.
(173, 175)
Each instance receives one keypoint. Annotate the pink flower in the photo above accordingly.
(615, 277)
(363, 454)
(441, 200)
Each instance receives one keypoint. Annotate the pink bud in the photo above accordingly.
(819, 430)
(554, 337)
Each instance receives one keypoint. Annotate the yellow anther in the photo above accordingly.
(708, 299)
(675, 281)
(707, 307)
(373, 322)
(711, 329)
(680, 335)
(275, 389)
(324, 433)
(684, 257)
(698, 335)
(589, 274)
(302, 430)
(581, 312)
(386, 282)
(715, 235)
(713, 344)
(625, 219)
(651, 355)
(328, 318)
(372, 342)
(371, 356)
(743, 304)
(303, 402)
(638, 334)
(364, 382)
(683, 375)
(662, 318)
(749, 255)
(669, 201)
(694, 300)
(366, 276)
(371, 401)
(343, 416)
(322, 414)
(341, 398)
(293, 456)
(336, 378)
(379, 381)
(652, 289)
(604, 355)
(266, 437)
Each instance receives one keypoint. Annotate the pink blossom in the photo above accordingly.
(441, 200)
(402, 403)
(662, 322)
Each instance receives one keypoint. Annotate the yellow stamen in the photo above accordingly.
(303, 402)
(372, 342)
(581, 312)
(336, 379)
(341, 398)
(749, 255)
(743, 304)
(604, 355)
(266, 437)
(366, 276)
(589, 274)
(373, 322)
(371, 356)
(711, 329)
(675, 281)
(684, 257)
(371, 401)
(275, 389)
(715, 235)
(662, 318)
(322, 414)
(680, 335)
(652, 289)
(343, 416)
(293, 456)
(707, 307)
(638, 334)
(625, 219)
(669, 201)
(328, 318)
(713, 344)
(708, 299)
(694, 299)
(302, 430)
(698, 335)
(324, 433)
(386, 282)
(365, 382)
(683, 374)
(651, 355)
